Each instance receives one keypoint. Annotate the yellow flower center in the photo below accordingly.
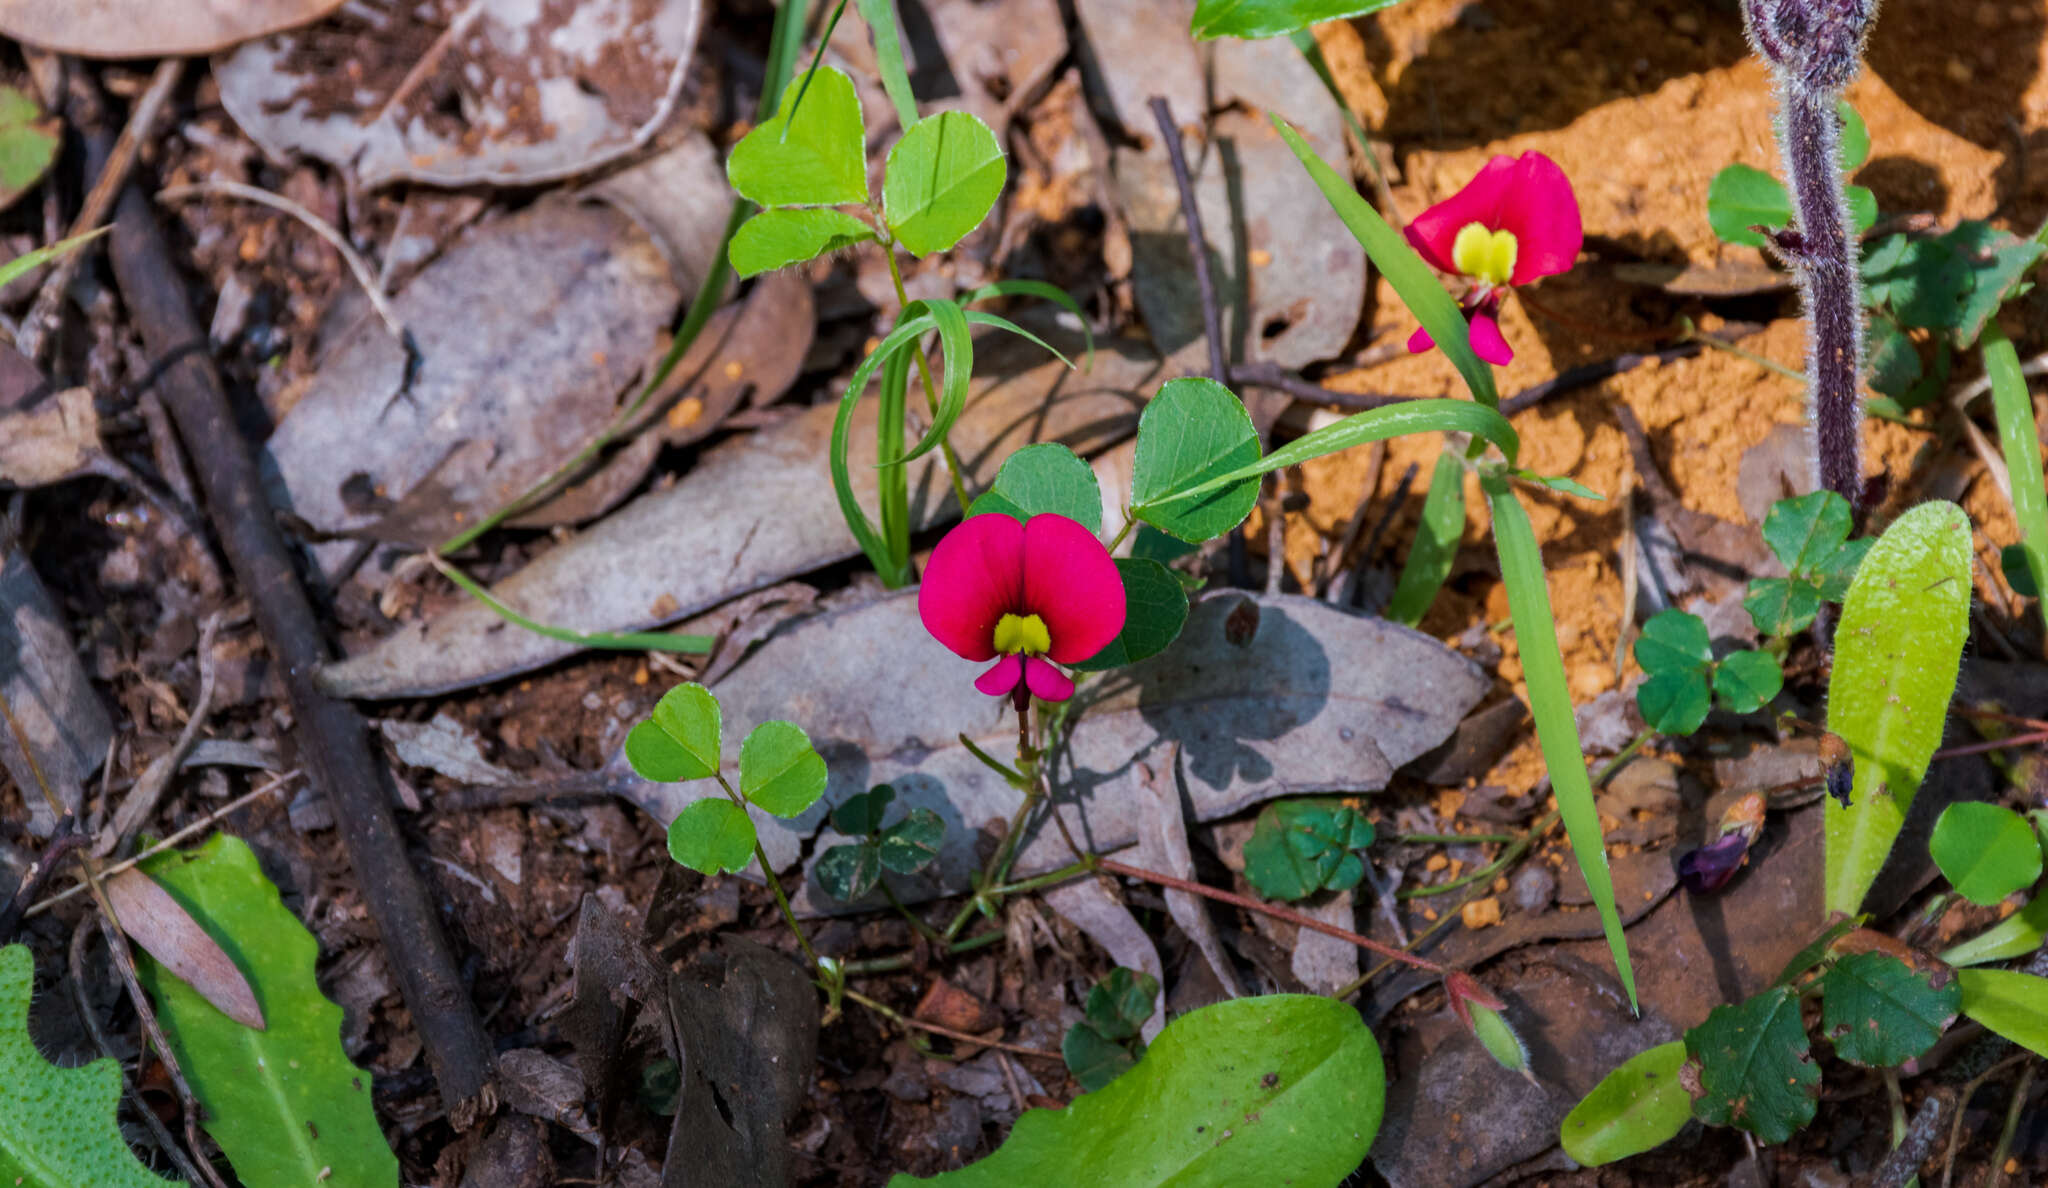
(1022, 633)
(1485, 254)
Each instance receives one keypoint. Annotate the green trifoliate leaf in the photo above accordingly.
(1120, 1003)
(862, 812)
(680, 741)
(1637, 1107)
(1806, 531)
(1300, 847)
(712, 836)
(1754, 1066)
(1746, 681)
(1044, 478)
(1674, 641)
(911, 844)
(1674, 703)
(1985, 851)
(285, 1103)
(1094, 1059)
(849, 872)
(57, 1125)
(943, 178)
(1155, 609)
(1880, 1012)
(778, 238)
(780, 770)
(1742, 196)
(819, 160)
(1192, 431)
(1782, 606)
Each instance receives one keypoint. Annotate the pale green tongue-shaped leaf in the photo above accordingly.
(820, 161)
(1638, 1106)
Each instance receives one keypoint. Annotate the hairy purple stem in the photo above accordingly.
(1815, 48)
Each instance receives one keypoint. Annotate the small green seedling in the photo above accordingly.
(1809, 534)
(1106, 1041)
(1683, 679)
(1300, 847)
(849, 872)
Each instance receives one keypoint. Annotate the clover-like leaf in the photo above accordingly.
(1881, 1012)
(1754, 1066)
(1155, 610)
(1746, 681)
(861, 813)
(1300, 847)
(1985, 851)
(1782, 606)
(1194, 430)
(776, 239)
(1636, 1107)
(1674, 641)
(780, 770)
(820, 159)
(911, 844)
(1044, 478)
(680, 740)
(943, 178)
(1805, 531)
(1997, 260)
(1120, 1003)
(712, 836)
(849, 872)
(1093, 1058)
(1742, 196)
(1674, 703)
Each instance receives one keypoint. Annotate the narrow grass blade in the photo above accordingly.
(1040, 289)
(894, 480)
(956, 348)
(881, 18)
(871, 543)
(1436, 542)
(1550, 699)
(2020, 438)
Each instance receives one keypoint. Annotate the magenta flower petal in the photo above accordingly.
(1071, 583)
(1420, 341)
(1481, 201)
(1487, 340)
(975, 577)
(1543, 216)
(1046, 682)
(1003, 677)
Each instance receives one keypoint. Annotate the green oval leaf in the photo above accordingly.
(1040, 479)
(778, 238)
(679, 741)
(820, 159)
(285, 1103)
(1674, 703)
(861, 813)
(1855, 137)
(1880, 1012)
(2015, 936)
(1638, 1106)
(2011, 1003)
(943, 178)
(712, 836)
(1155, 609)
(1194, 430)
(1755, 1067)
(1225, 1095)
(911, 844)
(1746, 681)
(1674, 641)
(1897, 651)
(58, 1126)
(1743, 196)
(1265, 18)
(1985, 851)
(780, 770)
(849, 872)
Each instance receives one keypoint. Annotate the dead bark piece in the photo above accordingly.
(54, 441)
(331, 736)
(616, 978)
(749, 1023)
(167, 932)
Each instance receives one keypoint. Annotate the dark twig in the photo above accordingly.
(1278, 378)
(1395, 502)
(1198, 244)
(2013, 1113)
(1913, 1149)
(1272, 375)
(332, 736)
(65, 840)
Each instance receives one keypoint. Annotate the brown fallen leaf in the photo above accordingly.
(48, 692)
(151, 28)
(56, 440)
(155, 921)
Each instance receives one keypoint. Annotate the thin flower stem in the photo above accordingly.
(931, 390)
(1521, 846)
(1450, 839)
(901, 1019)
(1622, 757)
(916, 922)
(1130, 522)
(1266, 909)
(880, 965)
(1064, 873)
(1016, 778)
(768, 876)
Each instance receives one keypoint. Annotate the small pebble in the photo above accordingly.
(1534, 887)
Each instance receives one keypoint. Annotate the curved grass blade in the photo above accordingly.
(2020, 439)
(1428, 565)
(956, 348)
(1550, 700)
(1001, 323)
(1424, 294)
(880, 16)
(1040, 289)
(871, 543)
(893, 481)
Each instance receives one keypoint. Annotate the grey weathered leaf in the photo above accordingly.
(1311, 699)
(47, 691)
(56, 440)
(151, 28)
(538, 91)
(167, 932)
(748, 1022)
(753, 512)
(576, 297)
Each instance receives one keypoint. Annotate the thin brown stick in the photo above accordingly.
(1905, 1159)
(1198, 244)
(331, 734)
(889, 1012)
(65, 840)
(2013, 1113)
(41, 322)
(1267, 909)
(1969, 1090)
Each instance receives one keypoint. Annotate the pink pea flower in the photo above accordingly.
(1516, 221)
(1025, 595)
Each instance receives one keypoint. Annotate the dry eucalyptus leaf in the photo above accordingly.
(167, 932)
(755, 511)
(462, 92)
(56, 440)
(151, 28)
(529, 329)
(48, 692)
(1263, 697)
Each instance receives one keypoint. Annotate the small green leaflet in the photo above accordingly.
(712, 836)
(820, 160)
(1192, 431)
(1155, 609)
(1880, 1012)
(1754, 1066)
(284, 1103)
(780, 770)
(1636, 1107)
(778, 238)
(1746, 681)
(1676, 655)
(943, 178)
(1743, 196)
(1105, 1042)
(57, 1125)
(680, 741)
(1044, 478)
(2011, 1003)
(1300, 847)
(848, 872)
(28, 144)
(1985, 851)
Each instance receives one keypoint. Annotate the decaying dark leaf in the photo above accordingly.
(749, 1024)
(616, 979)
(48, 693)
